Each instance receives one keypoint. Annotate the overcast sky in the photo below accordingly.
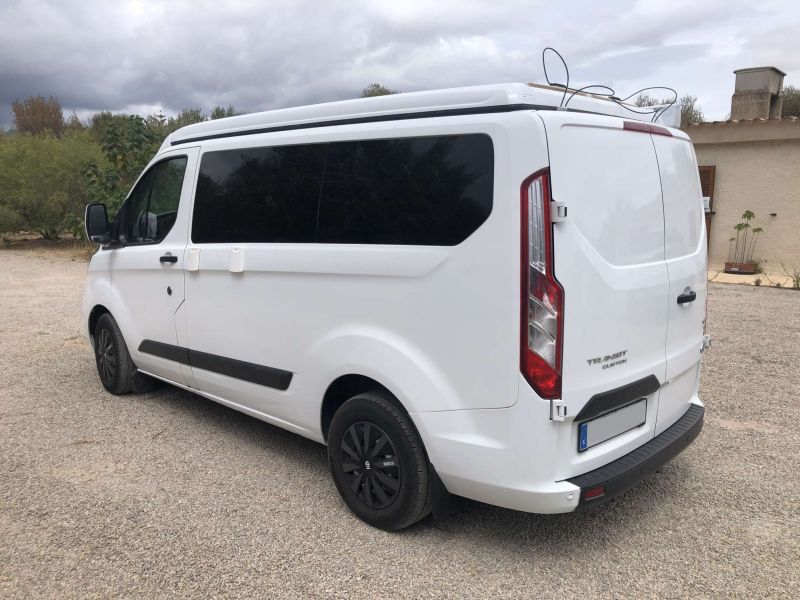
(139, 56)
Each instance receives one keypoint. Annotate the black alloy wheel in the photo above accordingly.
(114, 364)
(378, 461)
(106, 356)
(370, 464)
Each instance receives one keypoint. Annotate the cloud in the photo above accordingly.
(134, 55)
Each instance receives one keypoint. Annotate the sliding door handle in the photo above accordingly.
(168, 258)
(686, 297)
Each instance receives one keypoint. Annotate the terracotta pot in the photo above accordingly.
(740, 268)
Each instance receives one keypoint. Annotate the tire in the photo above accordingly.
(388, 485)
(114, 364)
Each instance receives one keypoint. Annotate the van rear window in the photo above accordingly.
(407, 191)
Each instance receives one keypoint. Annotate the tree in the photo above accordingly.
(646, 100)
(188, 116)
(220, 112)
(791, 101)
(42, 187)
(98, 122)
(73, 122)
(690, 110)
(128, 142)
(37, 114)
(376, 89)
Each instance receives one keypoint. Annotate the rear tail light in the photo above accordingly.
(542, 298)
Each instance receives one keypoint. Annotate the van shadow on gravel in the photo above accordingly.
(473, 523)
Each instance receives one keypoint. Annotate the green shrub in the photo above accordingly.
(42, 185)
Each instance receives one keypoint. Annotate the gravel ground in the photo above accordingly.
(170, 494)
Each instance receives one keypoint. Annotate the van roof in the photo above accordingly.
(466, 100)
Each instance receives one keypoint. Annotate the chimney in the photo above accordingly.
(758, 93)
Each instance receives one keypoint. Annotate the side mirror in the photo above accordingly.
(96, 221)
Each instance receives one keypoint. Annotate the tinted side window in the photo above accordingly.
(152, 207)
(414, 191)
(258, 195)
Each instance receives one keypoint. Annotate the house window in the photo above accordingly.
(707, 175)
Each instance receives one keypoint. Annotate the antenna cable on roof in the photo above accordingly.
(566, 68)
(609, 93)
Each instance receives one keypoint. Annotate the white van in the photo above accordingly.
(466, 292)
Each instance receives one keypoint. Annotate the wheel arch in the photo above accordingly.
(356, 360)
(97, 311)
(345, 387)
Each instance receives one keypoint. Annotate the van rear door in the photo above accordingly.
(609, 258)
(686, 257)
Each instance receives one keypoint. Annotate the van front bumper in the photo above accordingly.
(620, 475)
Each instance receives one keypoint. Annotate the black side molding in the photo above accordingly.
(607, 401)
(167, 351)
(622, 474)
(231, 367)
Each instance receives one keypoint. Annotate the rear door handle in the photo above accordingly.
(168, 258)
(687, 297)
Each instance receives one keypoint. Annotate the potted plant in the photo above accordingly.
(742, 247)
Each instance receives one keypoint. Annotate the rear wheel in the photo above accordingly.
(114, 364)
(378, 462)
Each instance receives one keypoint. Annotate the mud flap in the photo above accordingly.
(142, 383)
(443, 503)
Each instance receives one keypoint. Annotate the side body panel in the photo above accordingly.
(436, 325)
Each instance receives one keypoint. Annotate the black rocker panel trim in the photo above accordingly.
(622, 474)
(605, 402)
(427, 114)
(231, 367)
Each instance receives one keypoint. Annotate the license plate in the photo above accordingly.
(610, 425)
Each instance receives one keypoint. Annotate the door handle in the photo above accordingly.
(686, 297)
(168, 258)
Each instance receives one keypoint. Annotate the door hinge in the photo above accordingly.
(558, 211)
(706, 343)
(558, 410)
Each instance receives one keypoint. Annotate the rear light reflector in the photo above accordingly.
(595, 492)
(542, 298)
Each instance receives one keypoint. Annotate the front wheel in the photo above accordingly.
(114, 364)
(378, 462)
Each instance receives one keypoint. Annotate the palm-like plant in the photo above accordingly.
(756, 232)
(739, 227)
(739, 250)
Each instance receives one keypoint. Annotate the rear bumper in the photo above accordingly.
(623, 473)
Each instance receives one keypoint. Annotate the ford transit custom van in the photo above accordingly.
(467, 292)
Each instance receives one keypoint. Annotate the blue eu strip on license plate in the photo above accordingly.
(610, 425)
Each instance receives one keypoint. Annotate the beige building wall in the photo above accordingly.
(764, 177)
